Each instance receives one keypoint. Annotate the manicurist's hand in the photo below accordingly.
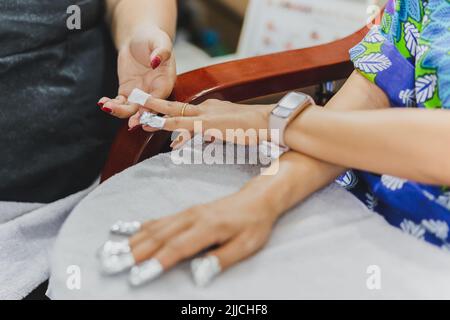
(214, 116)
(146, 62)
(143, 32)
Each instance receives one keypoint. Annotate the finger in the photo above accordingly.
(172, 108)
(161, 51)
(148, 228)
(182, 138)
(145, 249)
(176, 250)
(134, 123)
(134, 120)
(205, 269)
(162, 85)
(185, 246)
(186, 123)
(102, 101)
(154, 225)
(121, 111)
(160, 55)
(178, 123)
(121, 99)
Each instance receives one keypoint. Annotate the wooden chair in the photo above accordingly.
(239, 81)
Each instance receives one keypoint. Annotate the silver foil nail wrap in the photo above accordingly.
(204, 270)
(146, 117)
(138, 96)
(145, 272)
(111, 248)
(125, 228)
(115, 264)
(152, 120)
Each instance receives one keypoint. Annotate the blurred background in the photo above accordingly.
(213, 31)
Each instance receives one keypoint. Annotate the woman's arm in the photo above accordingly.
(130, 16)
(405, 142)
(409, 143)
(300, 175)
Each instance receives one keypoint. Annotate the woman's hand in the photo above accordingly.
(232, 228)
(146, 62)
(214, 116)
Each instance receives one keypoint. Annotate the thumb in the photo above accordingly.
(161, 51)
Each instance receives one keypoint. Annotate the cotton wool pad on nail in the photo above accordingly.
(138, 96)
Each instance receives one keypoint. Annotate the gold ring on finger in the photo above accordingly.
(183, 109)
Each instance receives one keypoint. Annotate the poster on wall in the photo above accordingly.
(280, 25)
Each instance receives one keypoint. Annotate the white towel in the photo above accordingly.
(27, 233)
(323, 248)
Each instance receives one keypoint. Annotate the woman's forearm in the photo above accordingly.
(409, 143)
(128, 17)
(297, 178)
(299, 175)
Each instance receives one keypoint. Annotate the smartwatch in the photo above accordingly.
(285, 111)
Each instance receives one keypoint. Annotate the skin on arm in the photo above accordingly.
(409, 143)
(300, 175)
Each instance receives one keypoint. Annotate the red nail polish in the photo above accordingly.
(100, 104)
(156, 62)
(107, 110)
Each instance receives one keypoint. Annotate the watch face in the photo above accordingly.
(292, 101)
(282, 112)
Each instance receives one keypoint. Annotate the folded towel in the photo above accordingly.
(27, 233)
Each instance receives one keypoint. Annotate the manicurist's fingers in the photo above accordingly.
(119, 109)
(120, 99)
(159, 56)
(148, 228)
(102, 101)
(185, 246)
(161, 51)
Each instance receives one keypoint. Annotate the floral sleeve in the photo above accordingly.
(408, 56)
(433, 55)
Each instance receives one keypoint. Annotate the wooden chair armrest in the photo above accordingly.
(238, 81)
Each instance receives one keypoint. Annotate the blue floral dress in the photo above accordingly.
(408, 56)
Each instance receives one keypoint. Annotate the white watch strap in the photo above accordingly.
(286, 110)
